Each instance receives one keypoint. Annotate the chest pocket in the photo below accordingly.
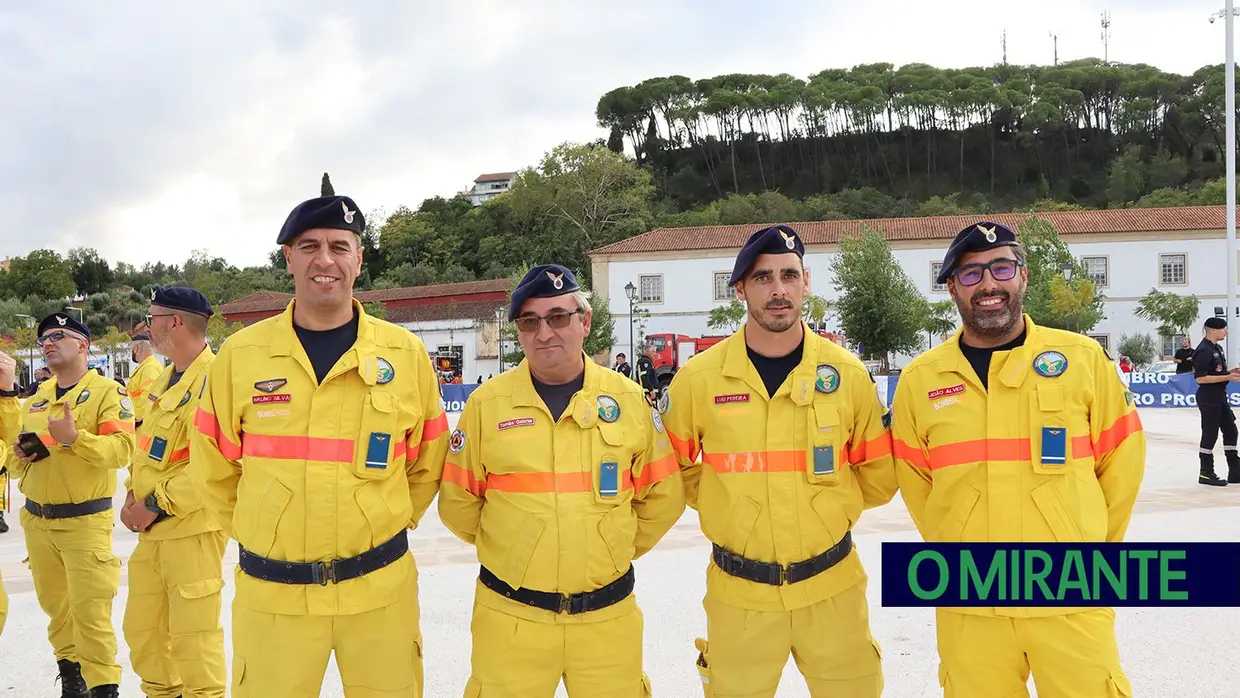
(1050, 444)
(611, 463)
(377, 438)
(829, 444)
(165, 446)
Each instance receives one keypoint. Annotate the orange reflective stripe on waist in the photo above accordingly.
(313, 448)
(550, 483)
(756, 462)
(982, 451)
(434, 428)
(144, 445)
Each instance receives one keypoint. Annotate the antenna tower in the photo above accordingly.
(1055, 38)
(1106, 36)
(1004, 47)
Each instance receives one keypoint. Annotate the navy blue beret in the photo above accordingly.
(542, 281)
(978, 237)
(181, 298)
(337, 212)
(61, 321)
(778, 239)
(1216, 323)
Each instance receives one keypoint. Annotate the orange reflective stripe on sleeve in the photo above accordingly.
(685, 448)
(47, 439)
(209, 426)
(1114, 435)
(869, 450)
(112, 427)
(912, 454)
(657, 470)
(434, 428)
(135, 393)
(463, 478)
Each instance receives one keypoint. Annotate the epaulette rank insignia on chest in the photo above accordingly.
(83, 397)
(184, 399)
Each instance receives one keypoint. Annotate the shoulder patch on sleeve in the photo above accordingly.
(456, 443)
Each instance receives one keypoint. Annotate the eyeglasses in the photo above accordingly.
(54, 336)
(150, 316)
(556, 321)
(1000, 270)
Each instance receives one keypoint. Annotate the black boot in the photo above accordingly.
(1207, 476)
(71, 683)
(4, 525)
(110, 690)
(1233, 468)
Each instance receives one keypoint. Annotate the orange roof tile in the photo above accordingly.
(1128, 220)
(267, 301)
(496, 177)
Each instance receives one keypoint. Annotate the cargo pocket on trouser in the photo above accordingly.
(646, 691)
(1118, 686)
(417, 667)
(240, 689)
(195, 608)
(945, 682)
(473, 689)
(703, 667)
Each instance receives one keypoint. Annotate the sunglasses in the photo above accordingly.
(556, 321)
(1000, 270)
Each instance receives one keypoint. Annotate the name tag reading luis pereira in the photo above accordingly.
(1189, 575)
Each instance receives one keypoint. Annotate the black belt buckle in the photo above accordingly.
(778, 575)
(322, 573)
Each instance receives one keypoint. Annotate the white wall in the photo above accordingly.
(1132, 270)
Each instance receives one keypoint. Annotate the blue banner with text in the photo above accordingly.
(453, 395)
(1171, 390)
(1061, 574)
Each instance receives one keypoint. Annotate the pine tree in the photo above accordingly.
(326, 188)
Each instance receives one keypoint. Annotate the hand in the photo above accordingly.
(8, 372)
(140, 517)
(126, 517)
(63, 429)
(21, 455)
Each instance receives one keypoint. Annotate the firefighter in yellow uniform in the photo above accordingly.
(143, 377)
(84, 433)
(172, 616)
(1011, 432)
(781, 439)
(320, 441)
(10, 426)
(561, 474)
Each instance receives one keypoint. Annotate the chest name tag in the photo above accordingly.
(158, 445)
(377, 450)
(1054, 445)
(824, 460)
(609, 479)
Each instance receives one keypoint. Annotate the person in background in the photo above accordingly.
(622, 365)
(1125, 364)
(645, 375)
(1184, 356)
(1213, 379)
(144, 375)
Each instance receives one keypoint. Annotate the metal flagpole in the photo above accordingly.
(1233, 344)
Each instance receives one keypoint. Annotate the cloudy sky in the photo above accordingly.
(151, 129)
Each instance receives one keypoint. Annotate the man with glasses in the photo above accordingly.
(83, 430)
(1012, 432)
(561, 475)
(319, 443)
(149, 368)
(172, 616)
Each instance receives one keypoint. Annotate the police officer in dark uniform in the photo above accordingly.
(645, 375)
(1213, 377)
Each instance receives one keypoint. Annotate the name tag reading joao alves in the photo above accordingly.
(1061, 574)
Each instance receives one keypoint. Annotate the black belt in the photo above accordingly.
(321, 573)
(778, 575)
(68, 511)
(571, 604)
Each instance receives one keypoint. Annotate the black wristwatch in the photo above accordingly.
(152, 505)
(10, 393)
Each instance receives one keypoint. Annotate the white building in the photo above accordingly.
(489, 186)
(681, 273)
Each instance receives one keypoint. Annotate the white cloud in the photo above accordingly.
(151, 130)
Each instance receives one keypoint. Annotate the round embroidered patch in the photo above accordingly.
(127, 404)
(828, 380)
(664, 401)
(1050, 364)
(657, 419)
(384, 373)
(608, 408)
(456, 443)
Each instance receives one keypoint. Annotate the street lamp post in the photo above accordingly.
(30, 323)
(499, 335)
(630, 291)
(1067, 277)
(81, 313)
(1229, 87)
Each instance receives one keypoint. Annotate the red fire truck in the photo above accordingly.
(673, 350)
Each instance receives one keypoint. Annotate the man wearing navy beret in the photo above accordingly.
(560, 474)
(319, 443)
(83, 422)
(780, 436)
(1014, 433)
(176, 642)
(149, 368)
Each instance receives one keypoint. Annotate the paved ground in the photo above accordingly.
(1166, 652)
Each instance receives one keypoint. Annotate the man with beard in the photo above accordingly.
(84, 422)
(1016, 433)
(172, 617)
(149, 368)
(779, 433)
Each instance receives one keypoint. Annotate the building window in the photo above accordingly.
(1096, 269)
(1170, 345)
(651, 288)
(1104, 340)
(1172, 269)
(935, 268)
(724, 292)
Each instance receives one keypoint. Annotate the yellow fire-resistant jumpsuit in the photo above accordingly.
(971, 469)
(562, 507)
(139, 386)
(172, 617)
(783, 480)
(75, 572)
(299, 472)
(10, 427)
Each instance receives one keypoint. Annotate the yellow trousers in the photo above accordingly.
(172, 616)
(76, 576)
(830, 641)
(1072, 656)
(4, 605)
(379, 652)
(519, 658)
